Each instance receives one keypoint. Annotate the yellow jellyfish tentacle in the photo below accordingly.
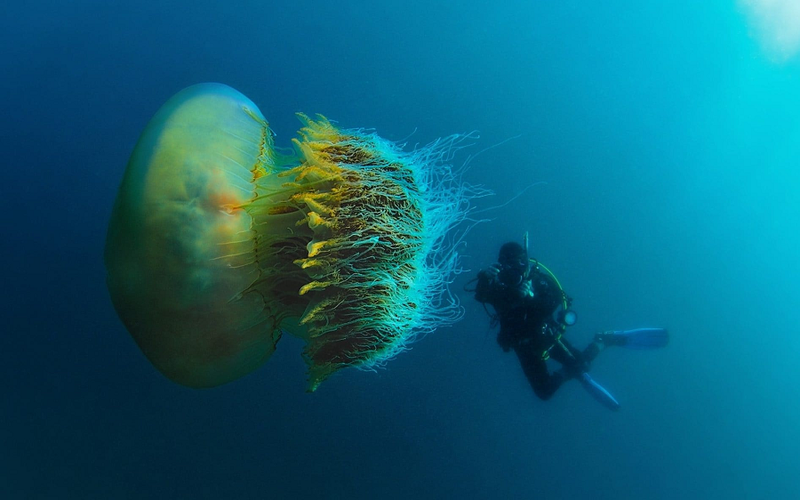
(380, 250)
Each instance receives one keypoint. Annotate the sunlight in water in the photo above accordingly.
(777, 25)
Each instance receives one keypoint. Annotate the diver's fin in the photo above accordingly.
(599, 392)
(639, 338)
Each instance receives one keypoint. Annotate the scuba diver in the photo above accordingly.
(534, 312)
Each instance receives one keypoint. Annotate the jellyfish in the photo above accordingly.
(218, 244)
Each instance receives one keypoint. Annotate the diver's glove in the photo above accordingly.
(524, 290)
(491, 273)
(487, 284)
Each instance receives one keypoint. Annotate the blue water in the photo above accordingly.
(667, 136)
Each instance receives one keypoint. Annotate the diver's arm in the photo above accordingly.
(489, 291)
(488, 284)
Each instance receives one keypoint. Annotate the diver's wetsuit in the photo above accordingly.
(527, 325)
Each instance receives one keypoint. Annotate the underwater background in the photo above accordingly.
(663, 140)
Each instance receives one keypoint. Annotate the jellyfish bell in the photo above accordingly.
(180, 250)
(217, 244)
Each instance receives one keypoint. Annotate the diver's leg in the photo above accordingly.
(564, 350)
(543, 383)
(585, 357)
(572, 359)
(592, 350)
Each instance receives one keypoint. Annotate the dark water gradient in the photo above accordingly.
(669, 144)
